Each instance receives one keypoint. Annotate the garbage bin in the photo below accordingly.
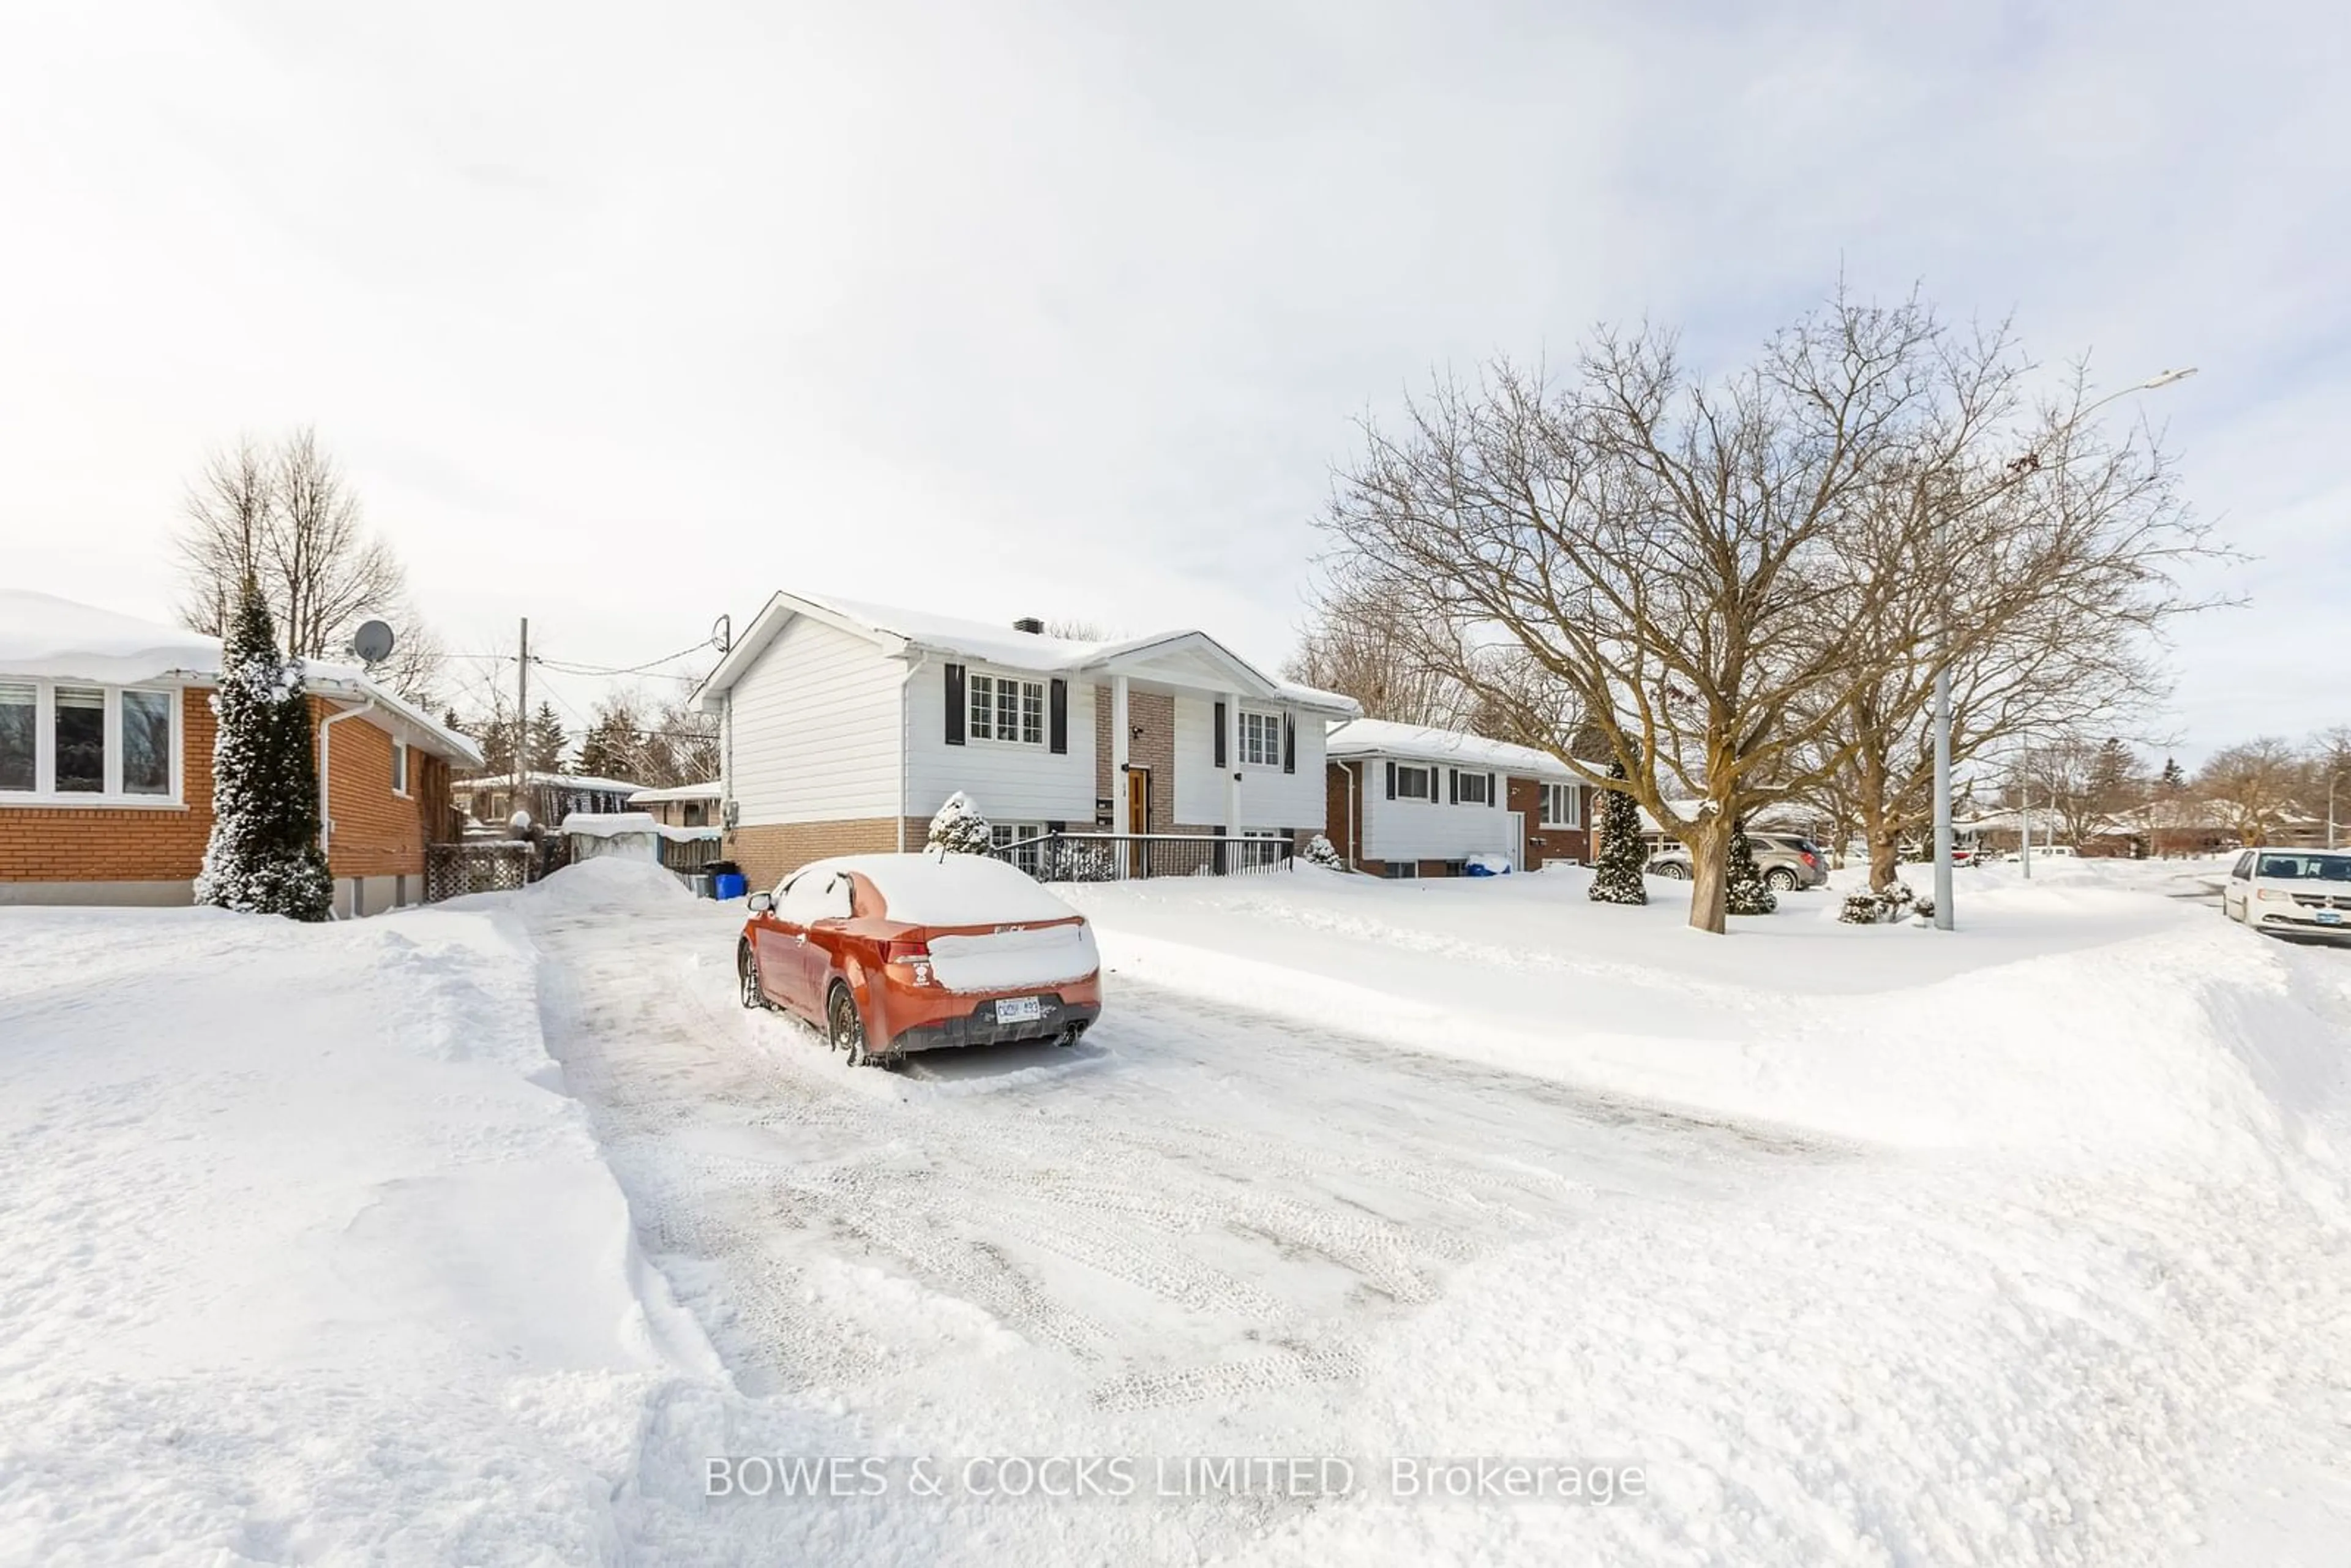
(727, 879)
(702, 884)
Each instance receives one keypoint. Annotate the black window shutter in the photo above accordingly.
(1058, 716)
(1290, 743)
(1220, 734)
(1391, 780)
(955, 704)
(1493, 791)
(1453, 786)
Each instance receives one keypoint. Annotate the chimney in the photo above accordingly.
(1029, 624)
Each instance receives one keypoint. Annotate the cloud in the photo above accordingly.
(623, 318)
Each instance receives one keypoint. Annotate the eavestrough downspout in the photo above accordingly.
(326, 776)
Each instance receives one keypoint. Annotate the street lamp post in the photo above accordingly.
(1945, 919)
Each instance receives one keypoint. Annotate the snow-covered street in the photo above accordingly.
(476, 1234)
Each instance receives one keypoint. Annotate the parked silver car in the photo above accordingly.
(1788, 861)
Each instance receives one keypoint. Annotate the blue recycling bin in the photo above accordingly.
(729, 884)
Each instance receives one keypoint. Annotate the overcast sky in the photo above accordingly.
(624, 315)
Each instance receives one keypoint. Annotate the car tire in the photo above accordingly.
(746, 976)
(1673, 869)
(844, 1029)
(1780, 879)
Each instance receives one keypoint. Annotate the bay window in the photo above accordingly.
(68, 743)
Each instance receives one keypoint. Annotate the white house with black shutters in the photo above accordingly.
(844, 726)
(1412, 800)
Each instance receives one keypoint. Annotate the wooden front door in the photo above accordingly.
(1138, 817)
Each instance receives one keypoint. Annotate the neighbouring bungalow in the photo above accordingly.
(1405, 800)
(489, 798)
(105, 765)
(845, 726)
(681, 805)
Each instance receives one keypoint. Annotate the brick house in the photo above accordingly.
(1406, 800)
(843, 727)
(106, 751)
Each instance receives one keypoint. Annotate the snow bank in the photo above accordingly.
(308, 1257)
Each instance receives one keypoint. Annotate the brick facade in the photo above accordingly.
(377, 833)
(1567, 845)
(769, 852)
(1154, 750)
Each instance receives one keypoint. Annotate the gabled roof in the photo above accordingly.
(1379, 738)
(43, 637)
(903, 631)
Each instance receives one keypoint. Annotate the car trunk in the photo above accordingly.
(1004, 958)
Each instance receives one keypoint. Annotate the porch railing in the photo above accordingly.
(1109, 857)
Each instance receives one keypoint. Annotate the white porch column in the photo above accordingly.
(1121, 744)
(1233, 774)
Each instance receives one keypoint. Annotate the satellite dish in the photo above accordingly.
(373, 641)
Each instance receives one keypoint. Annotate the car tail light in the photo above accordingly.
(909, 954)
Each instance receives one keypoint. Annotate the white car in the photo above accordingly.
(2041, 852)
(2303, 892)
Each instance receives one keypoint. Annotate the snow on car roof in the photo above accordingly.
(951, 889)
(1425, 743)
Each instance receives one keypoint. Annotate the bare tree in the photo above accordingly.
(660, 743)
(2041, 559)
(286, 517)
(1076, 629)
(2256, 785)
(1357, 647)
(1664, 564)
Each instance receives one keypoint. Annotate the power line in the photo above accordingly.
(577, 669)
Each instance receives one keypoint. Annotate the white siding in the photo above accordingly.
(1270, 798)
(1010, 782)
(1430, 830)
(815, 730)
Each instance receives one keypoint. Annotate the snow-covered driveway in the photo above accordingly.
(1204, 1206)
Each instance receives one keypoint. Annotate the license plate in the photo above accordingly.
(1019, 1009)
(2328, 917)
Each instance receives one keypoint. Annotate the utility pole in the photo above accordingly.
(2025, 798)
(522, 718)
(1944, 917)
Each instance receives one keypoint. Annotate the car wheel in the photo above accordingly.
(746, 969)
(845, 1029)
(1780, 879)
(1672, 869)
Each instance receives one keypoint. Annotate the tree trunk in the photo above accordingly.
(1709, 848)
(1885, 855)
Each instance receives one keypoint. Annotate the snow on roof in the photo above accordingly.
(987, 643)
(706, 790)
(1426, 743)
(619, 824)
(584, 782)
(47, 638)
(951, 889)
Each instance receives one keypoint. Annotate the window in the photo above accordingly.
(1260, 739)
(1002, 836)
(1413, 783)
(82, 744)
(1003, 707)
(147, 743)
(1261, 847)
(814, 895)
(80, 753)
(1473, 788)
(399, 767)
(19, 715)
(1562, 806)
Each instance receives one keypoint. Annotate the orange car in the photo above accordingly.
(893, 954)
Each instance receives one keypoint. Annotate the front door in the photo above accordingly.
(1138, 817)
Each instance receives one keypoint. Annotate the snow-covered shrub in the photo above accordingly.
(1746, 893)
(1862, 908)
(1922, 910)
(1616, 871)
(1322, 852)
(264, 856)
(1074, 860)
(959, 829)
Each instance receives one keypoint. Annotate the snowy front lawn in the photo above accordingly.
(474, 1234)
